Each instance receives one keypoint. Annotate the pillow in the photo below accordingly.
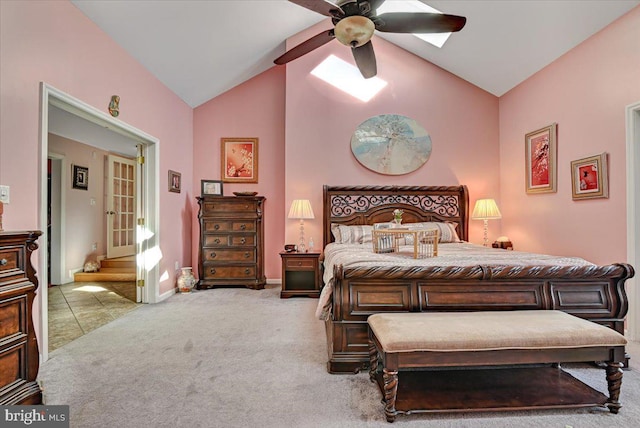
(335, 231)
(447, 231)
(351, 234)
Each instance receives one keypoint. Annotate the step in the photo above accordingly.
(118, 276)
(119, 262)
(117, 269)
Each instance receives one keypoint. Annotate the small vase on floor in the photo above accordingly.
(186, 280)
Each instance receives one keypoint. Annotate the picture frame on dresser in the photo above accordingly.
(210, 187)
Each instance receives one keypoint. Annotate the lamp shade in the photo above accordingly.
(485, 209)
(301, 208)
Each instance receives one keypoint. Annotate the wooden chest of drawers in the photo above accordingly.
(231, 242)
(19, 360)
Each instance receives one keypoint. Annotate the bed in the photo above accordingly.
(357, 286)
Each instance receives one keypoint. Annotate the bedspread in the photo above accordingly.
(453, 254)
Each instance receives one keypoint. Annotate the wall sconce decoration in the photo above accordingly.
(114, 106)
(486, 209)
(301, 209)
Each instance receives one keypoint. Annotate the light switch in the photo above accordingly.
(92, 202)
(4, 194)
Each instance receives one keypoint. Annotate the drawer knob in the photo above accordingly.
(3, 262)
(246, 255)
(299, 263)
(217, 240)
(247, 271)
(243, 226)
(213, 254)
(243, 240)
(216, 227)
(213, 271)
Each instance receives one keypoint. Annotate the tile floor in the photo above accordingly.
(80, 307)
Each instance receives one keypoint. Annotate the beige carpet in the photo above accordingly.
(246, 358)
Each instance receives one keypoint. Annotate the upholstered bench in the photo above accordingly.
(474, 361)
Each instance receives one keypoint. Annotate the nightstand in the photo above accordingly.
(300, 274)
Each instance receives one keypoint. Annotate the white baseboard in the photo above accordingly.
(166, 295)
(274, 281)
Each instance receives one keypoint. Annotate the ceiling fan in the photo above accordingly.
(354, 23)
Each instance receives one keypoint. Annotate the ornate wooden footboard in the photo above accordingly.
(595, 293)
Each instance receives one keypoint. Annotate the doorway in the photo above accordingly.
(633, 216)
(89, 117)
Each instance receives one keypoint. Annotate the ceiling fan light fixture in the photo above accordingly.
(354, 31)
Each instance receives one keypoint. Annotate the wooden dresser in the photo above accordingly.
(19, 359)
(231, 242)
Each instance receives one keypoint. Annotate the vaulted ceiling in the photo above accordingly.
(200, 49)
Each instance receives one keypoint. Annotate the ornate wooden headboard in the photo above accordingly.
(358, 205)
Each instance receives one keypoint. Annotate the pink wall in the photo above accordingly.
(52, 41)
(585, 92)
(85, 223)
(252, 109)
(461, 119)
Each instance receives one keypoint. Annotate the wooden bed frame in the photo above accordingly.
(595, 293)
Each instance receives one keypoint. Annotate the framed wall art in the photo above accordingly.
(211, 188)
(541, 160)
(80, 177)
(239, 160)
(175, 181)
(391, 144)
(589, 177)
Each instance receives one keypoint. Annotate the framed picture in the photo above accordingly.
(211, 187)
(80, 177)
(540, 160)
(589, 177)
(239, 160)
(175, 181)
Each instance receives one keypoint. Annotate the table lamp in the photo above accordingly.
(486, 209)
(301, 209)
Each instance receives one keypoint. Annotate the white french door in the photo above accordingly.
(121, 207)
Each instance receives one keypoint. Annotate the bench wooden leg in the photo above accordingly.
(373, 361)
(390, 378)
(614, 381)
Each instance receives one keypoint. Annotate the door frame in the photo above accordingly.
(149, 204)
(58, 212)
(632, 119)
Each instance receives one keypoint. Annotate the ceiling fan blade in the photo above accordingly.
(306, 47)
(323, 7)
(411, 22)
(365, 60)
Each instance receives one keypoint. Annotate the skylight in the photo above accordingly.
(347, 78)
(436, 39)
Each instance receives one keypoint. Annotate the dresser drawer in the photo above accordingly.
(230, 206)
(228, 272)
(235, 240)
(10, 259)
(12, 317)
(212, 225)
(229, 255)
